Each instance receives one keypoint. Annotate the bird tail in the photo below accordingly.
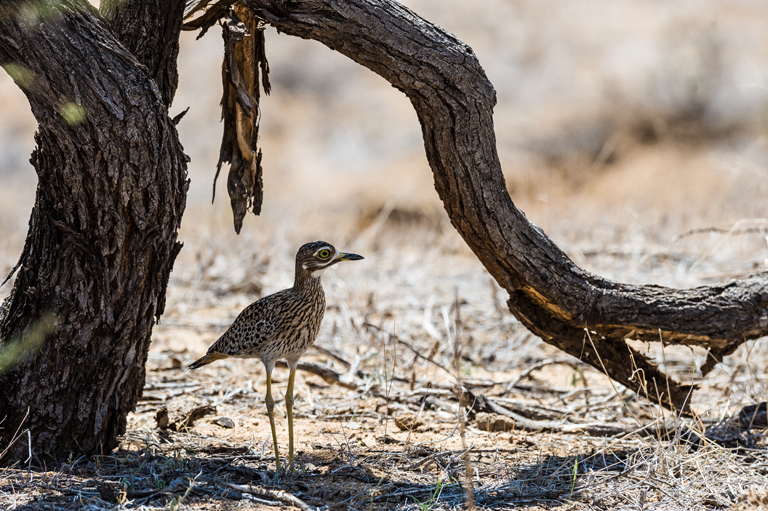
(207, 359)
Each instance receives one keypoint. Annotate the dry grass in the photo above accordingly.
(605, 144)
(425, 291)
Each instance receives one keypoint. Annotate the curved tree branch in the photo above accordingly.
(549, 294)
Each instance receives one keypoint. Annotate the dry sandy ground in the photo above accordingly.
(393, 440)
(621, 126)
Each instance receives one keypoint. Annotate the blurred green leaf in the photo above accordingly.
(73, 113)
(13, 351)
(42, 11)
(20, 74)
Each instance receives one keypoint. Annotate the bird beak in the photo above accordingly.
(342, 256)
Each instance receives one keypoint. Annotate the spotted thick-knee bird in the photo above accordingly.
(282, 325)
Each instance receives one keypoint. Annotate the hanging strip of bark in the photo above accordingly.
(245, 63)
(549, 294)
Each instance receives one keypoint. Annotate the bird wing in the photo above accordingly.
(255, 327)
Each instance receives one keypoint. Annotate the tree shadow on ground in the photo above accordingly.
(335, 477)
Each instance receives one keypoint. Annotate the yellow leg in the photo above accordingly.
(271, 411)
(289, 407)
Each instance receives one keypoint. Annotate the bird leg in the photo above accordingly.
(271, 411)
(289, 407)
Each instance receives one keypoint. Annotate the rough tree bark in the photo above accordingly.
(583, 314)
(149, 29)
(102, 236)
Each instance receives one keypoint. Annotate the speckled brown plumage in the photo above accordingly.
(752, 501)
(282, 325)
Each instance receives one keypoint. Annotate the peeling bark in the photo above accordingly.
(245, 66)
(244, 61)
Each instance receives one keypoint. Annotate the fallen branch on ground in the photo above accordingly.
(570, 361)
(260, 492)
(326, 373)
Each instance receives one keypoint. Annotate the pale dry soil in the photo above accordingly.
(405, 329)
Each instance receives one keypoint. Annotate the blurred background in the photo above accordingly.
(618, 122)
(632, 131)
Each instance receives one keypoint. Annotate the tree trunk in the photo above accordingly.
(149, 29)
(583, 314)
(102, 236)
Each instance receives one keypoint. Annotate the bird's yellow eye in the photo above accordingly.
(324, 254)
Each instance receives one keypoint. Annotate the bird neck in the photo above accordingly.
(305, 282)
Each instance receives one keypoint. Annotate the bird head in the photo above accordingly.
(317, 256)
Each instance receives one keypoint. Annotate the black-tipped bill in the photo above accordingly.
(348, 257)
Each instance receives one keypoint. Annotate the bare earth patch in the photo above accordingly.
(388, 433)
